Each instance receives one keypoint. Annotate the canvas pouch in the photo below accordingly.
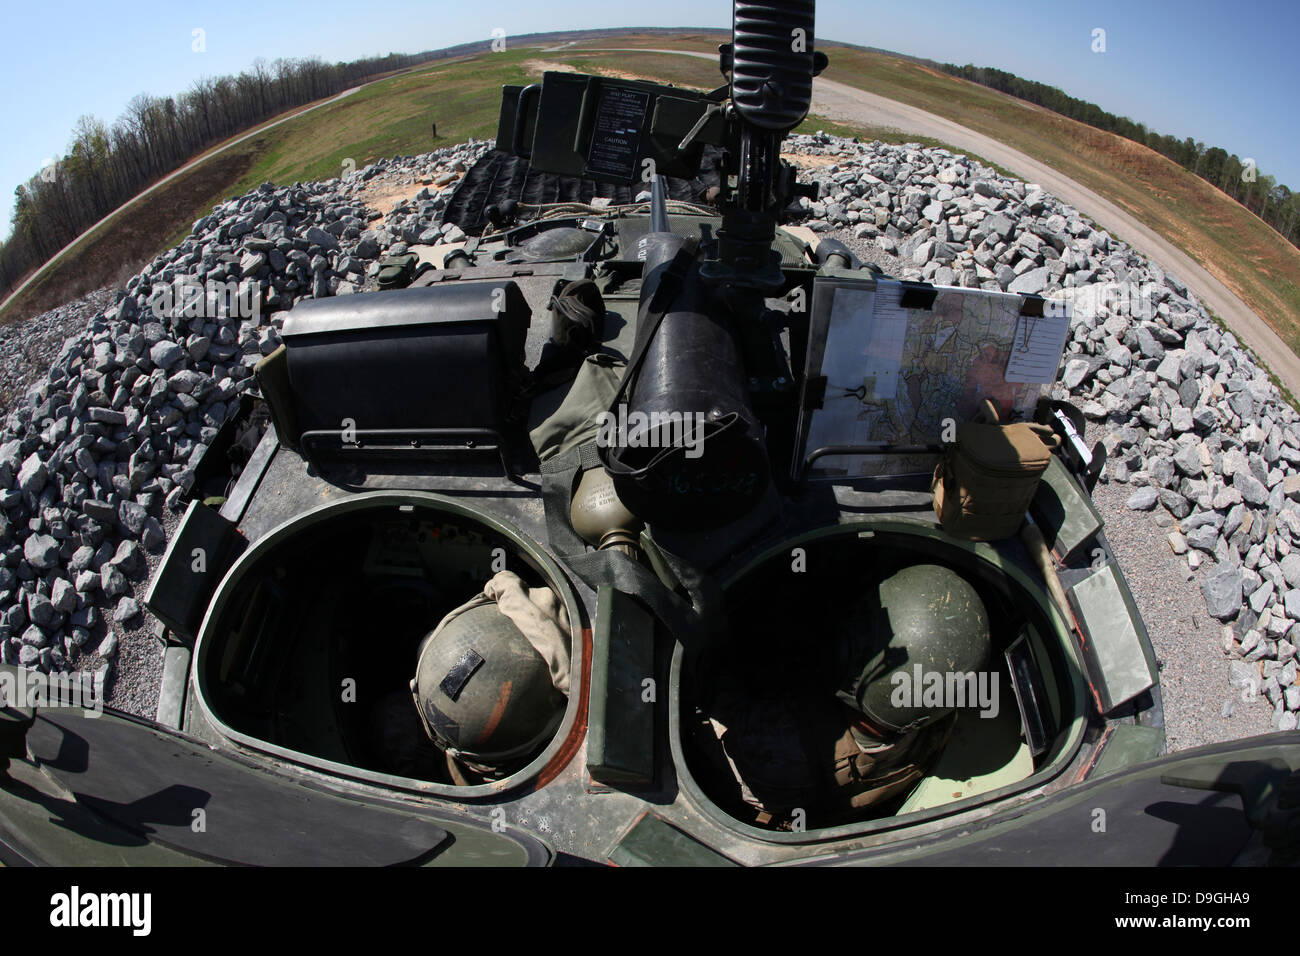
(987, 478)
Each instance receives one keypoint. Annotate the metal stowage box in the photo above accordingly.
(412, 360)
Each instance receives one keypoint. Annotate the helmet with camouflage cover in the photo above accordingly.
(922, 615)
(491, 680)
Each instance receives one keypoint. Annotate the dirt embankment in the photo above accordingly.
(138, 234)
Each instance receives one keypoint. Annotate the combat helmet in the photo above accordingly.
(922, 615)
(486, 681)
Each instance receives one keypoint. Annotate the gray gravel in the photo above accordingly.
(868, 251)
(1200, 705)
(135, 669)
(28, 348)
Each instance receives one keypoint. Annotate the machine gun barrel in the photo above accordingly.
(658, 206)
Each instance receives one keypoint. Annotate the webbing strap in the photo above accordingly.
(588, 456)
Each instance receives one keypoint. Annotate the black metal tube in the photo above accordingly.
(691, 374)
(658, 206)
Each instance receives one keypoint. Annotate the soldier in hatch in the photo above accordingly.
(862, 748)
(492, 679)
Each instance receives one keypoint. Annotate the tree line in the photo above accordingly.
(106, 164)
(1239, 178)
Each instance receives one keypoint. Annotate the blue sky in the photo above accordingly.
(1226, 74)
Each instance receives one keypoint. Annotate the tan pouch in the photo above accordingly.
(988, 477)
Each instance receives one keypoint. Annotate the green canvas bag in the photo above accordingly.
(988, 477)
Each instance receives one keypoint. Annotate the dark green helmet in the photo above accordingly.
(922, 616)
(485, 694)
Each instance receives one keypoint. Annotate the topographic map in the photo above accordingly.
(897, 375)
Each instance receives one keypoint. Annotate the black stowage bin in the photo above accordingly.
(412, 361)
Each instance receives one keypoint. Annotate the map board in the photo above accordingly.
(895, 370)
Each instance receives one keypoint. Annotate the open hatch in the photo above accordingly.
(311, 639)
(784, 609)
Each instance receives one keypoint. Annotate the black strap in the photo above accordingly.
(581, 304)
